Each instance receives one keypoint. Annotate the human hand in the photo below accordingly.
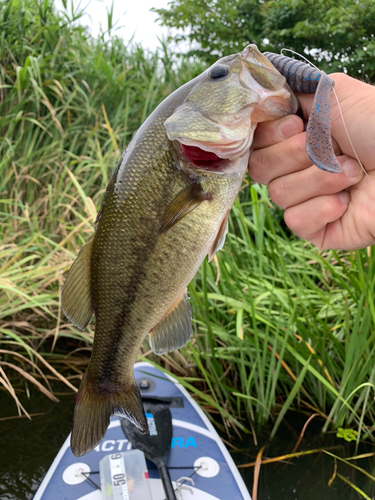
(329, 210)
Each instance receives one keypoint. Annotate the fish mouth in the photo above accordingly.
(205, 160)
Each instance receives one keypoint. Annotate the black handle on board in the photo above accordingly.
(167, 483)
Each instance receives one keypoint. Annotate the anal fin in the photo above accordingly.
(76, 294)
(220, 238)
(174, 330)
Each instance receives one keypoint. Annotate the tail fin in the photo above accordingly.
(93, 410)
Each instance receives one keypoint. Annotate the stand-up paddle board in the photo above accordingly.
(199, 465)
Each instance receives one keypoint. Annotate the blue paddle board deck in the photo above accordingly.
(199, 463)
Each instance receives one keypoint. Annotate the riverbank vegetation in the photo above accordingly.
(278, 325)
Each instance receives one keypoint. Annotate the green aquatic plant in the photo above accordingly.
(347, 434)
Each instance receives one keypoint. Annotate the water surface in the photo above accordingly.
(29, 447)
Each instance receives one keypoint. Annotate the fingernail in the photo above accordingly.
(344, 197)
(351, 168)
(288, 127)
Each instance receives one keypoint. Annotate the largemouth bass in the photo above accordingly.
(165, 208)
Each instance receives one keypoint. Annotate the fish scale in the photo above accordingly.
(162, 213)
(145, 262)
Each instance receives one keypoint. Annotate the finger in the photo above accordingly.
(279, 159)
(310, 219)
(298, 187)
(275, 131)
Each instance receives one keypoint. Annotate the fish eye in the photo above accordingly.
(219, 71)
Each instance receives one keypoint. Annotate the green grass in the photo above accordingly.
(278, 325)
(291, 327)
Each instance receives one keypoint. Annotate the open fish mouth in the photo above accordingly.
(206, 160)
(210, 143)
(216, 155)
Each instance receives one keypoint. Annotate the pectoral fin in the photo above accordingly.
(174, 330)
(220, 238)
(185, 202)
(76, 294)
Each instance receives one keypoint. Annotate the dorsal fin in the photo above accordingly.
(175, 329)
(76, 294)
(108, 188)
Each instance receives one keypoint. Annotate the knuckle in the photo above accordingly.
(292, 219)
(265, 134)
(333, 209)
(298, 147)
(257, 167)
(277, 191)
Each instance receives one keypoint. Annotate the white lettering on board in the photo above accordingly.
(114, 445)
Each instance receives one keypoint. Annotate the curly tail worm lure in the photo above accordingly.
(304, 79)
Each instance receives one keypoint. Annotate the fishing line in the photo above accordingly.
(348, 136)
(339, 107)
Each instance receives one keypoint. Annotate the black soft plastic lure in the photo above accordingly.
(304, 79)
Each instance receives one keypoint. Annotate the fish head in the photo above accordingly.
(218, 117)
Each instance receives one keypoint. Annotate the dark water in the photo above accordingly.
(306, 477)
(28, 448)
